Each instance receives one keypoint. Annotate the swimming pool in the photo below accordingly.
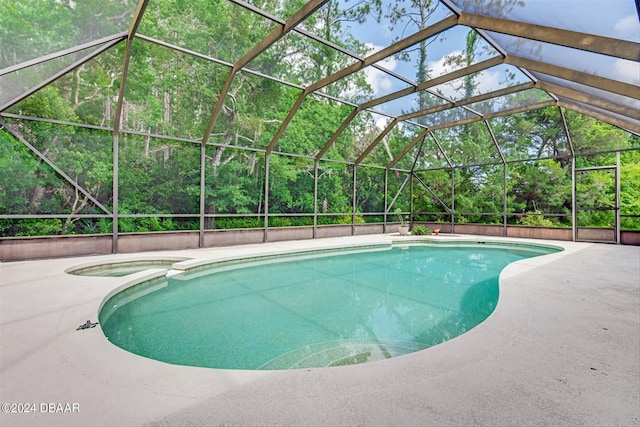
(317, 310)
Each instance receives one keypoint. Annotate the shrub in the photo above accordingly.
(39, 227)
(420, 230)
(536, 219)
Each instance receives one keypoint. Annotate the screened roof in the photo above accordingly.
(430, 65)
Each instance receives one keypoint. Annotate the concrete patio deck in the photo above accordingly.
(561, 348)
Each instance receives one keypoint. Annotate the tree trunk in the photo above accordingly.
(36, 199)
(166, 108)
(147, 139)
(107, 112)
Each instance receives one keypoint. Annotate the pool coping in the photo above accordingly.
(44, 359)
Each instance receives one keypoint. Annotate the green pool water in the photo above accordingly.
(326, 310)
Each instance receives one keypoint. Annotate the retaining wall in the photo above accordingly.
(25, 248)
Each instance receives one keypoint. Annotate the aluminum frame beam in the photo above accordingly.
(438, 199)
(317, 39)
(615, 121)
(479, 66)
(589, 42)
(566, 131)
(408, 148)
(285, 123)
(431, 30)
(467, 101)
(444, 153)
(309, 8)
(387, 209)
(375, 142)
(603, 83)
(582, 97)
(337, 133)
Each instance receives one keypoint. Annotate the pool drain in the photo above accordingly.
(87, 325)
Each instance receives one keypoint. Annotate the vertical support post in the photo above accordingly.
(504, 178)
(116, 196)
(133, 27)
(413, 175)
(353, 203)
(202, 194)
(504, 199)
(411, 200)
(574, 212)
(266, 198)
(386, 199)
(617, 197)
(453, 199)
(315, 198)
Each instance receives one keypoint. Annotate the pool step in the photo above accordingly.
(341, 352)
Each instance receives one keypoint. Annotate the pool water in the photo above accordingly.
(329, 310)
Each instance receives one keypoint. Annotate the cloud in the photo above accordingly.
(489, 81)
(627, 71)
(486, 81)
(382, 122)
(379, 81)
(627, 28)
(440, 67)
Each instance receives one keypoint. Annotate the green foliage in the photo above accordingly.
(372, 219)
(105, 226)
(420, 230)
(430, 198)
(370, 189)
(334, 188)
(589, 135)
(173, 94)
(312, 126)
(152, 223)
(48, 103)
(235, 222)
(15, 162)
(478, 190)
(543, 186)
(536, 219)
(630, 190)
(295, 221)
(339, 220)
(533, 134)
(37, 227)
